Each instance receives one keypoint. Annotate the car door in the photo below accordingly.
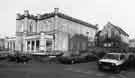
(124, 61)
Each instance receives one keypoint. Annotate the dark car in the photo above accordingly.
(81, 58)
(23, 58)
(3, 55)
(65, 59)
(47, 57)
(19, 57)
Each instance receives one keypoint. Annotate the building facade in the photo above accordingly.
(132, 43)
(9, 43)
(52, 31)
(2, 44)
(111, 36)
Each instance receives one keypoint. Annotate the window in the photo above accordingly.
(122, 57)
(111, 56)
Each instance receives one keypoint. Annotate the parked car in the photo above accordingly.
(23, 58)
(47, 57)
(3, 55)
(114, 61)
(19, 57)
(66, 59)
(72, 59)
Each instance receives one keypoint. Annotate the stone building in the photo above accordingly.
(132, 43)
(10, 43)
(52, 31)
(111, 35)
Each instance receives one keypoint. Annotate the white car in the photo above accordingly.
(113, 61)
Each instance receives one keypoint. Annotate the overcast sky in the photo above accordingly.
(119, 12)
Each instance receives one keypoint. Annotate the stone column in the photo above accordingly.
(35, 48)
(53, 47)
(9, 45)
(26, 45)
(12, 45)
(24, 41)
(42, 42)
(30, 46)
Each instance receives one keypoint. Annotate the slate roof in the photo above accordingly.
(23, 16)
(48, 15)
(121, 31)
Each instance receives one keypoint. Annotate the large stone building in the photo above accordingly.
(52, 31)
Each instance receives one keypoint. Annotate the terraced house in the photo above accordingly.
(52, 31)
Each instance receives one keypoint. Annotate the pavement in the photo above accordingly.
(37, 69)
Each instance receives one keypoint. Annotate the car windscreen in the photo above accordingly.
(111, 56)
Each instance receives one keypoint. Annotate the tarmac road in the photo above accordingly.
(43, 70)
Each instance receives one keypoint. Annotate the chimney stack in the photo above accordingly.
(38, 16)
(56, 10)
(96, 25)
(26, 12)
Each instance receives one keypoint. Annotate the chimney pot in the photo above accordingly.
(56, 10)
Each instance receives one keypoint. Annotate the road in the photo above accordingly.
(43, 70)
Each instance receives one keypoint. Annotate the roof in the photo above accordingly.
(11, 37)
(121, 31)
(76, 20)
(23, 16)
(48, 15)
